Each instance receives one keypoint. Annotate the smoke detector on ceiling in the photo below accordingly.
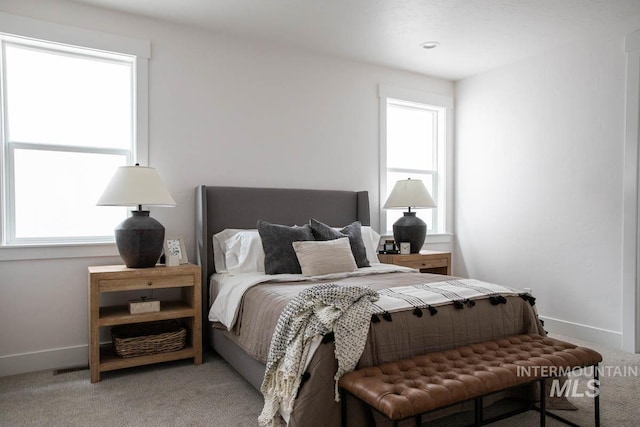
(429, 45)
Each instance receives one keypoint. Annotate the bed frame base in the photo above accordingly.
(245, 365)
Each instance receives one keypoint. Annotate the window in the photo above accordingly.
(73, 110)
(68, 126)
(415, 130)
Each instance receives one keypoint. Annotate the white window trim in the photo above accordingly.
(631, 201)
(57, 251)
(19, 26)
(445, 170)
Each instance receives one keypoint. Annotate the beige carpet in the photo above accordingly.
(213, 394)
(170, 394)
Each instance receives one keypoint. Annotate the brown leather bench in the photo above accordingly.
(412, 387)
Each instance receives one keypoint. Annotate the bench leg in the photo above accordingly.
(596, 402)
(596, 398)
(478, 412)
(543, 406)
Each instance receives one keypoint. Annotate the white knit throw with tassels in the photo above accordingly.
(343, 310)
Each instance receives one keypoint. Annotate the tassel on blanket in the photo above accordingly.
(498, 300)
(542, 323)
(458, 304)
(387, 316)
(417, 312)
(470, 302)
(282, 390)
(433, 310)
(305, 377)
(330, 337)
(529, 298)
(375, 318)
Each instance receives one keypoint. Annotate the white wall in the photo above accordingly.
(539, 182)
(223, 111)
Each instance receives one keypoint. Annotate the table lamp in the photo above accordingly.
(139, 238)
(409, 193)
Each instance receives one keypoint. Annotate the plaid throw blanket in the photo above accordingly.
(343, 310)
(460, 293)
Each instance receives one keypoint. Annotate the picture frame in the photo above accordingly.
(174, 245)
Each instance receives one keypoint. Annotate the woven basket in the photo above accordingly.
(139, 339)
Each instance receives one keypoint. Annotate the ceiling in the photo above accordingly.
(474, 35)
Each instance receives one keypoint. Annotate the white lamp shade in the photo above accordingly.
(136, 185)
(409, 193)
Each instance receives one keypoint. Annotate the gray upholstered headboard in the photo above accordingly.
(218, 208)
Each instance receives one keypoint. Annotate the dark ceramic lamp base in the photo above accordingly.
(410, 228)
(140, 239)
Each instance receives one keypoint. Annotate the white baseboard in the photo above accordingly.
(56, 358)
(591, 334)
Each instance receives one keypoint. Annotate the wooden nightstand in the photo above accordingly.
(118, 278)
(426, 261)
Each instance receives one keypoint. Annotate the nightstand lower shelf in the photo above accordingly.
(119, 315)
(109, 361)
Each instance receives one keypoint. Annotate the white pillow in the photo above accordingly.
(218, 251)
(317, 258)
(228, 247)
(243, 253)
(371, 241)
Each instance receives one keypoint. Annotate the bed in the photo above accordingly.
(244, 344)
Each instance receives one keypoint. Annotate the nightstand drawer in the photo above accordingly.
(117, 285)
(429, 263)
(434, 262)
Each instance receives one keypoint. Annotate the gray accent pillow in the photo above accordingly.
(353, 231)
(277, 242)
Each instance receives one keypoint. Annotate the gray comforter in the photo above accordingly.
(406, 335)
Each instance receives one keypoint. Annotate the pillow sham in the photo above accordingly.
(353, 231)
(237, 251)
(371, 241)
(243, 253)
(277, 243)
(317, 258)
(218, 240)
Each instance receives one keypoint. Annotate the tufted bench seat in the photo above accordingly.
(411, 387)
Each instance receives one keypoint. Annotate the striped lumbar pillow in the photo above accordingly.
(317, 258)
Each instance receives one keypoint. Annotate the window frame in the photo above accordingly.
(443, 196)
(18, 28)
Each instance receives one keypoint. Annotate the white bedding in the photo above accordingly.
(229, 289)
